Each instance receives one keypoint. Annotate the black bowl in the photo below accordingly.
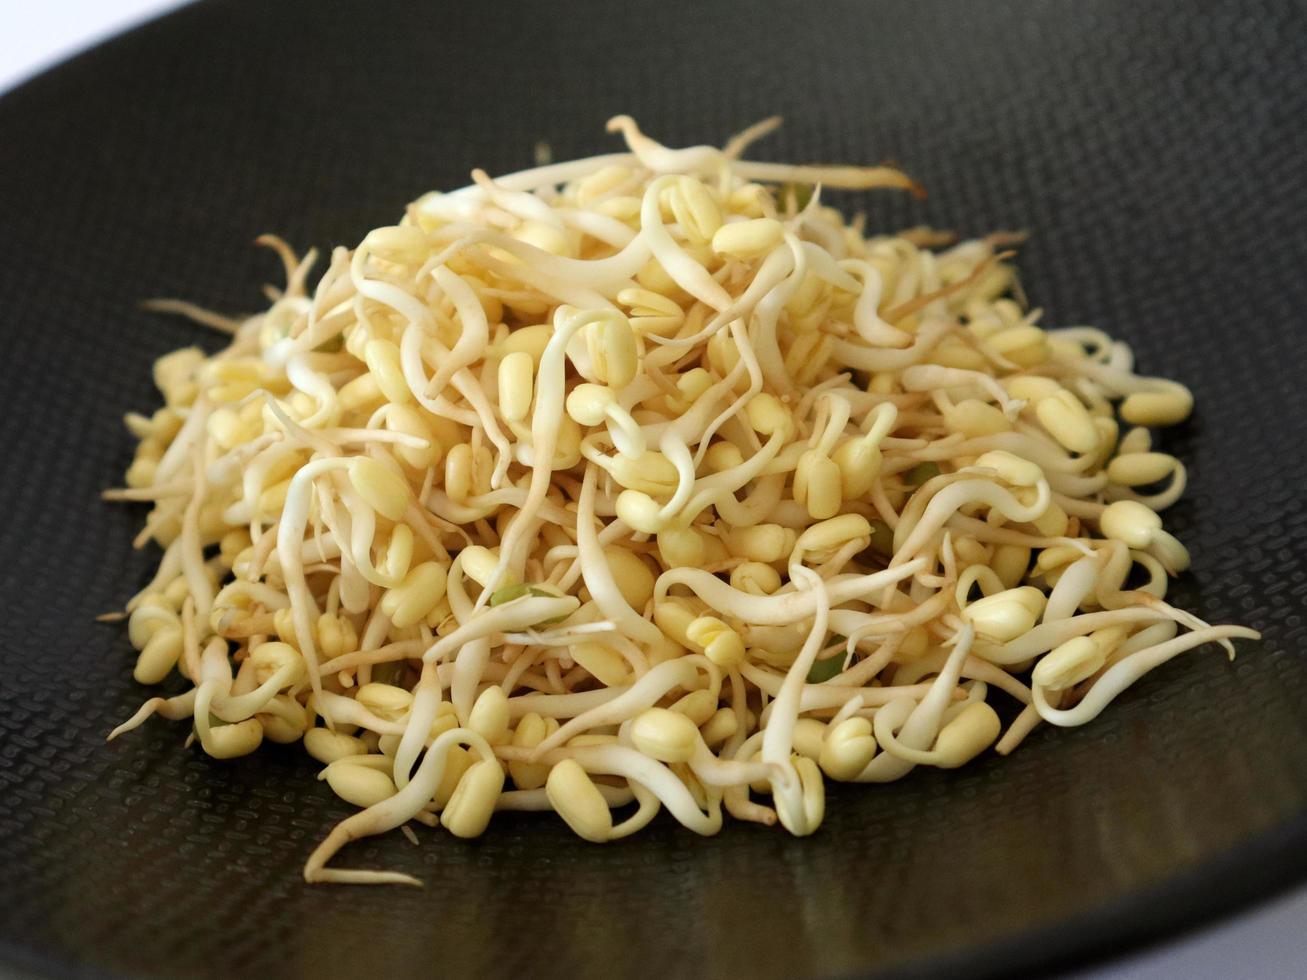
(1156, 154)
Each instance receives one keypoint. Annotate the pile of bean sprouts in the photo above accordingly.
(647, 482)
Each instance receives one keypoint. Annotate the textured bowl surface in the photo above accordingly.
(1155, 152)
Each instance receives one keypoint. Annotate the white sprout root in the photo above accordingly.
(647, 480)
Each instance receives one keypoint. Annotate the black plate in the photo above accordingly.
(1157, 155)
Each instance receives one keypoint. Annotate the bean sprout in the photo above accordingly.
(646, 481)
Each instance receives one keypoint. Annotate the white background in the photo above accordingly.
(1266, 943)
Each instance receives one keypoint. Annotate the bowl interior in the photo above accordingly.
(1155, 157)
